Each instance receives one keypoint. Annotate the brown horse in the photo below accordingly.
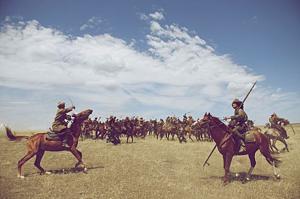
(38, 144)
(228, 148)
(274, 135)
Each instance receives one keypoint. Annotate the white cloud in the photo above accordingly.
(158, 15)
(143, 16)
(179, 73)
(91, 23)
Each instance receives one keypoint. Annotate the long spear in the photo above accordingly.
(206, 161)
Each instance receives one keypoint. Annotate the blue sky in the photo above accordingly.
(180, 43)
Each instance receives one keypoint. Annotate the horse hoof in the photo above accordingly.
(225, 183)
(237, 175)
(85, 170)
(48, 173)
(248, 178)
(277, 176)
(20, 176)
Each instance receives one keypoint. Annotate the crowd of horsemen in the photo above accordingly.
(172, 127)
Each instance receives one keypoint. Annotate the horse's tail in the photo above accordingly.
(13, 137)
(264, 148)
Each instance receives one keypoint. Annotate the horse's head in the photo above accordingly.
(83, 115)
(216, 128)
(210, 121)
(285, 122)
(207, 118)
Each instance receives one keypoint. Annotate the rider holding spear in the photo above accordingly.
(238, 122)
(240, 116)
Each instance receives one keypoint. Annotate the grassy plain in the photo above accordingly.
(147, 168)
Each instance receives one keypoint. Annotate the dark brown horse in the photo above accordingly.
(38, 144)
(227, 146)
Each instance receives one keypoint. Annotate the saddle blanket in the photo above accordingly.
(249, 137)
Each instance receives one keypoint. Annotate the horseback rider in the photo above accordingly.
(238, 121)
(60, 125)
(113, 134)
(276, 122)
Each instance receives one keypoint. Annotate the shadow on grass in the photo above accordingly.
(241, 177)
(69, 170)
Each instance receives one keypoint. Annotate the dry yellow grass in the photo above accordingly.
(146, 169)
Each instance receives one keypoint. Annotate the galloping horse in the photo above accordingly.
(38, 144)
(274, 135)
(227, 146)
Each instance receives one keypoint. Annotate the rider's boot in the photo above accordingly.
(64, 143)
(242, 140)
(243, 146)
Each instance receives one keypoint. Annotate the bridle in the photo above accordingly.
(210, 127)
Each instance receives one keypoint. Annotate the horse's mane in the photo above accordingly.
(78, 120)
(220, 123)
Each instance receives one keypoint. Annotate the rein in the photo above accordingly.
(210, 127)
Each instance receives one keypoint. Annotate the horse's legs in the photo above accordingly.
(266, 153)
(224, 161)
(173, 134)
(271, 145)
(79, 160)
(276, 174)
(37, 163)
(285, 144)
(78, 156)
(27, 157)
(274, 145)
(190, 136)
(253, 163)
(227, 162)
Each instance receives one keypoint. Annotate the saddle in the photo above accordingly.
(248, 138)
(52, 136)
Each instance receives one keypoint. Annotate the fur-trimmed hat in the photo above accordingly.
(238, 103)
(60, 104)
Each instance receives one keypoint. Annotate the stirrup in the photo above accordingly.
(242, 148)
(65, 144)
